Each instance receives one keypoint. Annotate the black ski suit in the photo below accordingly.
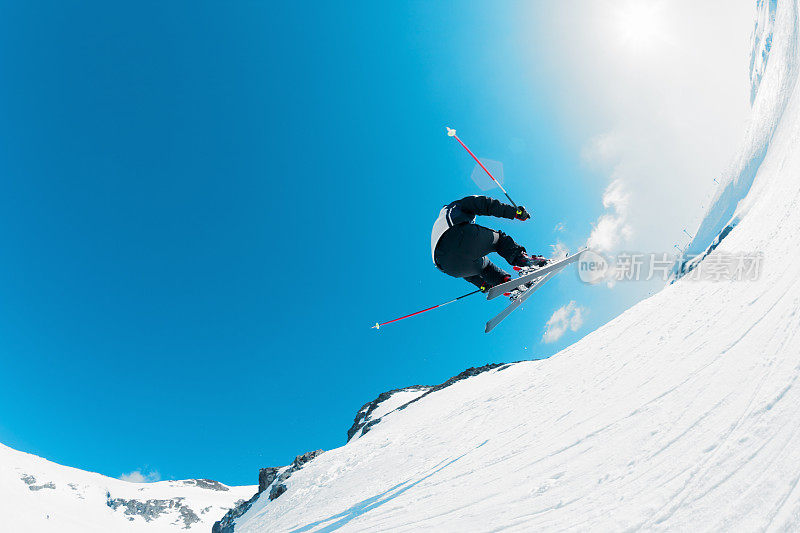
(459, 246)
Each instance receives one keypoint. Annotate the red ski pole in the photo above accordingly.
(452, 133)
(378, 326)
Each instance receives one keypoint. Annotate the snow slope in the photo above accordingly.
(773, 76)
(681, 414)
(37, 495)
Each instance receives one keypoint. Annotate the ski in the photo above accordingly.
(508, 286)
(490, 325)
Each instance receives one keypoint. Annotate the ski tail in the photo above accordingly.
(493, 323)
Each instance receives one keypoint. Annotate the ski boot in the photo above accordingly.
(524, 265)
(486, 286)
(525, 261)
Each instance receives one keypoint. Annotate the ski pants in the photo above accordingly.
(462, 250)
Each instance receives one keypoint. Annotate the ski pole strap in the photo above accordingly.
(378, 325)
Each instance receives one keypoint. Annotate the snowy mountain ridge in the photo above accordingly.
(37, 495)
(774, 45)
(683, 413)
(395, 400)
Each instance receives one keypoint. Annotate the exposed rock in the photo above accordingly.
(209, 484)
(31, 482)
(74, 487)
(265, 477)
(189, 517)
(148, 509)
(278, 487)
(227, 522)
(468, 373)
(152, 509)
(301, 460)
(683, 267)
(364, 423)
(363, 415)
(369, 425)
(276, 491)
(48, 485)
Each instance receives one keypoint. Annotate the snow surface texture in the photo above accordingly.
(39, 496)
(681, 414)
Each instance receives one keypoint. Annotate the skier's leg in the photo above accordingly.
(488, 275)
(494, 275)
(479, 241)
(508, 249)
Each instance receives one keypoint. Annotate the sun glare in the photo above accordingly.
(639, 24)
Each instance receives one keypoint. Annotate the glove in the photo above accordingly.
(522, 214)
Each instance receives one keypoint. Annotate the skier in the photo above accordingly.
(459, 246)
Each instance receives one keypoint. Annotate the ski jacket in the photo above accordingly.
(464, 211)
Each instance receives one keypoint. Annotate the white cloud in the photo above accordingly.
(569, 317)
(559, 250)
(649, 109)
(139, 476)
(612, 229)
(602, 150)
(560, 227)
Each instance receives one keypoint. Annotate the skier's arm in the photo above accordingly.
(483, 205)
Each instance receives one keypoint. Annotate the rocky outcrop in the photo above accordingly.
(369, 425)
(152, 509)
(299, 462)
(363, 416)
(209, 484)
(269, 478)
(31, 482)
(277, 490)
(227, 522)
(266, 476)
(468, 373)
(363, 421)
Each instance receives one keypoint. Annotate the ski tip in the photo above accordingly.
(450, 132)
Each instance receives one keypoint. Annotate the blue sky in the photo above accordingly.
(206, 206)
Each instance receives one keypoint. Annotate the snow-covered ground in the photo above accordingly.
(773, 76)
(37, 495)
(681, 414)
